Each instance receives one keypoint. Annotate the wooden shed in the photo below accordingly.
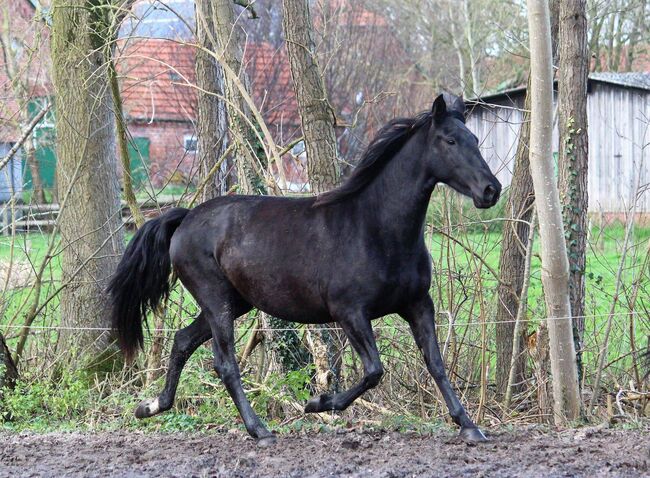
(618, 109)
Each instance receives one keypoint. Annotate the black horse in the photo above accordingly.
(349, 256)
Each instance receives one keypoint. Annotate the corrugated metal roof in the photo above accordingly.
(637, 79)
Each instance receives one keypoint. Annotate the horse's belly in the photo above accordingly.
(282, 294)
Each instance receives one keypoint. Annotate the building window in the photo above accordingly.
(298, 148)
(190, 143)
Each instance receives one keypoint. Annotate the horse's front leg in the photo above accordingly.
(358, 330)
(421, 318)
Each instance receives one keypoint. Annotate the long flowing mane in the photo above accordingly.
(381, 149)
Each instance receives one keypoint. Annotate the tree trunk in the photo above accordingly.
(123, 144)
(317, 120)
(8, 370)
(86, 173)
(574, 152)
(212, 124)
(555, 265)
(521, 198)
(316, 115)
(538, 348)
(473, 64)
(246, 143)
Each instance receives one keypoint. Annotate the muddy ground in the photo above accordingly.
(591, 452)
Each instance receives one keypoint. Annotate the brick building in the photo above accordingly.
(160, 102)
(155, 61)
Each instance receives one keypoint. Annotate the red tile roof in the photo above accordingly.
(157, 74)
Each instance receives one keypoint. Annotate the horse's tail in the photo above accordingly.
(141, 280)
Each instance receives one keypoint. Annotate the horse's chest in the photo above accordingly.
(382, 286)
(401, 281)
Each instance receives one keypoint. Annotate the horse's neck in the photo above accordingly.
(399, 196)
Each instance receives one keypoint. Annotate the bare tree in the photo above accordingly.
(364, 90)
(21, 59)
(87, 178)
(316, 113)
(573, 160)
(519, 208)
(521, 199)
(246, 149)
(555, 266)
(618, 33)
(317, 119)
(212, 124)
(459, 44)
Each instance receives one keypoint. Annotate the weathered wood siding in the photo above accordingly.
(619, 143)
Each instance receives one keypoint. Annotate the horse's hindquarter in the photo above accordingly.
(266, 248)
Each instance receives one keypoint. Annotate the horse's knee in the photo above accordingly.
(373, 378)
(225, 371)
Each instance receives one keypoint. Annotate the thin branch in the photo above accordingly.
(23, 138)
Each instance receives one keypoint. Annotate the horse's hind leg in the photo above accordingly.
(359, 332)
(222, 304)
(227, 368)
(186, 341)
(421, 318)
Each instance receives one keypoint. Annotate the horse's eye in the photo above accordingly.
(451, 141)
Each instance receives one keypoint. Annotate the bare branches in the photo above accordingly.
(28, 131)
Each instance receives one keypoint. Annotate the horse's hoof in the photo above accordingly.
(321, 403)
(472, 435)
(147, 408)
(313, 405)
(266, 441)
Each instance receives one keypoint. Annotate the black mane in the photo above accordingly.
(381, 149)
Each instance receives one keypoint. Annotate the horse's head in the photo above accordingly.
(454, 155)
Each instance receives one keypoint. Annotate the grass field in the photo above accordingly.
(463, 282)
(603, 260)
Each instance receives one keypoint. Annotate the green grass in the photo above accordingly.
(602, 262)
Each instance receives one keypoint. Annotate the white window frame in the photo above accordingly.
(190, 139)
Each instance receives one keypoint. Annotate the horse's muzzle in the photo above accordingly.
(490, 195)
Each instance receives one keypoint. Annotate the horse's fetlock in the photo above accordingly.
(374, 377)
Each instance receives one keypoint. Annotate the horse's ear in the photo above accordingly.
(439, 109)
(459, 105)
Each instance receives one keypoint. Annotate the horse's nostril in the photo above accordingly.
(490, 193)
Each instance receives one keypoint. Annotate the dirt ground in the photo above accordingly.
(591, 452)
